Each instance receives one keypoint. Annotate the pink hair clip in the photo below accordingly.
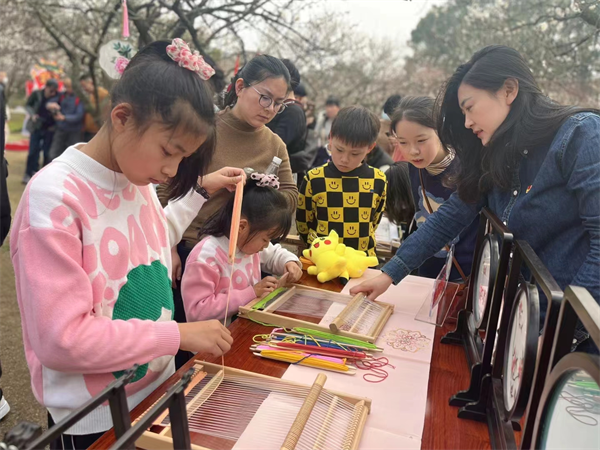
(180, 52)
(264, 180)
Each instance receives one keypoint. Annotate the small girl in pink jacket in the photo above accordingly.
(266, 217)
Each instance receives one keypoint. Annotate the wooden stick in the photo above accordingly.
(322, 436)
(360, 428)
(337, 323)
(282, 299)
(379, 324)
(235, 220)
(205, 393)
(153, 441)
(291, 322)
(196, 378)
(355, 427)
(300, 422)
(362, 315)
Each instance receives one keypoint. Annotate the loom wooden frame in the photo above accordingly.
(158, 441)
(269, 317)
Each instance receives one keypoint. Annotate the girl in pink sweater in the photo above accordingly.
(206, 279)
(91, 243)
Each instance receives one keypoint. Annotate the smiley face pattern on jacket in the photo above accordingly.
(350, 203)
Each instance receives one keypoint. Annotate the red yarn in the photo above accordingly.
(375, 365)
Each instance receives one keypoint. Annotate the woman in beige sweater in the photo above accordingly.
(255, 96)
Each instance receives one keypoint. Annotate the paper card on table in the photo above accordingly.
(399, 402)
(405, 338)
(374, 438)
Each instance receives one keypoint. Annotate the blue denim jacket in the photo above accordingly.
(553, 204)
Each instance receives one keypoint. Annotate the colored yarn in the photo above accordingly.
(336, 338)
(376, 366)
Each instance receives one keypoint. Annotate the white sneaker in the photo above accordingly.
(4, 408)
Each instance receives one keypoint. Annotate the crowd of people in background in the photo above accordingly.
(58, 119)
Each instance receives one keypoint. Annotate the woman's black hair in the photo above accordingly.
(265, 208)
(400, 205)
(414, 109)
(159, 90)
(259, 68)
(294, 74)
(391, 104)
(532, 121)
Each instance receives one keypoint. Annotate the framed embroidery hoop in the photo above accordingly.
(528, 276)
(467, 333)
(520, 351)
(485, 278)
(546, 425)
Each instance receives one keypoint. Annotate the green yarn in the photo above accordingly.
(335, 338)
(263, 303)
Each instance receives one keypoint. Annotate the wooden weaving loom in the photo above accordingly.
(305, 307)
(229, 408)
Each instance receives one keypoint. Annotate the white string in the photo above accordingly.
(235, 403)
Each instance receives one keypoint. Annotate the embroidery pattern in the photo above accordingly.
(406, 340)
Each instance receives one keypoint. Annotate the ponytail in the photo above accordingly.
(259, 68)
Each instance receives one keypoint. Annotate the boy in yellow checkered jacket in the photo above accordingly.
(346, 194)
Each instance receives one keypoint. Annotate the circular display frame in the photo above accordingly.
(520, 351)
(481, 295)
(555, 382)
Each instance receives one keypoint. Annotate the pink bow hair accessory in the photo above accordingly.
(180, 52)
(264, 180)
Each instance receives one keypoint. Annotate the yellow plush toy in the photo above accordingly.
(333, 260)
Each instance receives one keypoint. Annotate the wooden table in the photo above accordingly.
(448, 374)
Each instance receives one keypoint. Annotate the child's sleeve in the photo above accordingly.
(180, 214)
(56, 299)
(204, 292)
(381, 206)
(304, 213)
(274, 258)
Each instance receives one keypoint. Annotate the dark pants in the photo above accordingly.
(63, 139)
(183, 250)
(72, 441)
(39, 141)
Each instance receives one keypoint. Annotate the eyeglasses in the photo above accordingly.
(265, 101)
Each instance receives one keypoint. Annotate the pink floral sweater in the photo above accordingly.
(205, 281)
(92, 261)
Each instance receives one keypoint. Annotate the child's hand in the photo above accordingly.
(209, 336)
(225, 178)
(264, 286)
(175, 267)
(294, 271)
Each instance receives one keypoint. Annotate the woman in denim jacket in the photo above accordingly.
(533, 162)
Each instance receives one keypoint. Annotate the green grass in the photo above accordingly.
(15, 124)
(15, 381)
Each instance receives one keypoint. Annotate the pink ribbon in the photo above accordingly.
(180, 52)
(125, 20)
